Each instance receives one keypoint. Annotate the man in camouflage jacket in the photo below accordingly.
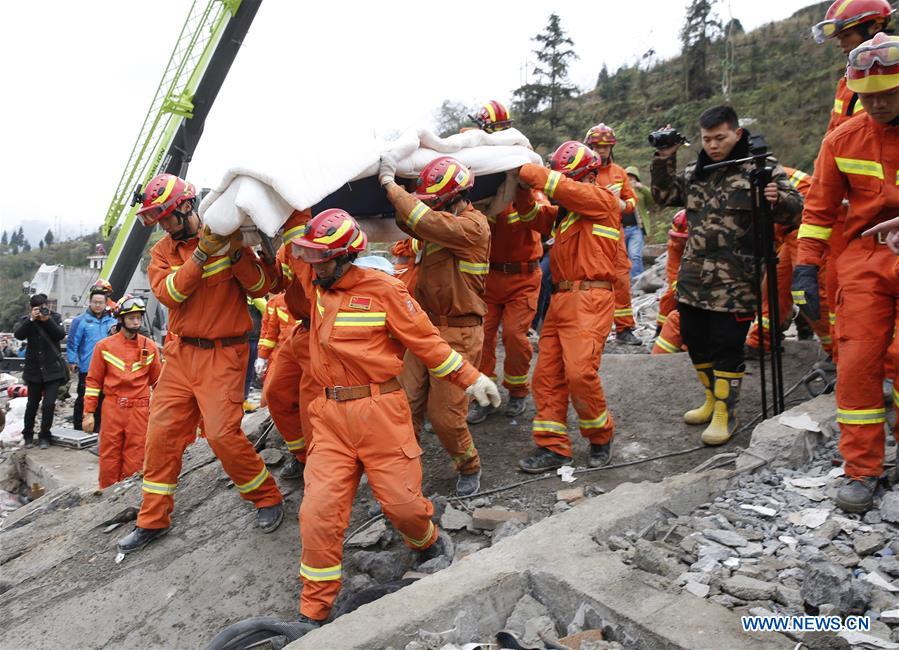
(715, 293)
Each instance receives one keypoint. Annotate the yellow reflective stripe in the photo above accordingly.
(418, 543)
(838, 106)
(552, 182)
(895, 398)
(416, 245)
(861, 416)
(176, 295)
(318, 303)
(859, 166)
(623, 312)
(606, 231)
(814, 232)
(661, 318)
(631, 202)
(797, 177)
(216, 267)
(113, 360)
(254, 483)
(515, 380)
(474, 268)
(897, 177)
(465, 455)
(158, 488)
(417, 213)
(550, 426)
(92, 392)
(293, 233)
(530, 213)
(826, 340)
(256, 287)
(323, 574)
(287, 271)
(514, 218)
(570, 220)
(353, 319)
(666, 345)
(798, 297)
(832, 317)
(614, 186)
(296, 445)
(283, 315)
(595, 423)
(453, 362)
(137, 365)
(432, 248)
(267, 343)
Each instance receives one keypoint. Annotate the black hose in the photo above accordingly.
(252, 631)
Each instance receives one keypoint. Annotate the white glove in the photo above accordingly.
(387, 168)
(260, 367)
(484, 391)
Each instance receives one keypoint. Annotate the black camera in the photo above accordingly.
(43, 310)
(667, 137)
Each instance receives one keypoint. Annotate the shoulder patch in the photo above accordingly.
(360, 303)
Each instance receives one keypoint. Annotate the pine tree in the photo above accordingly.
(40, 244)
(451, 117)
(602, 82)
(49, 237)
(700, 27)
(26, 247)
(4, 240)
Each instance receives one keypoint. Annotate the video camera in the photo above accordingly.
(667, 137)
(43, 310)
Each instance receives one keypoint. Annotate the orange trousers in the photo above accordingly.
(866, 309)
(288, 390)
(787, 256)
(372, 435)
(624, 313)
(667, 304)
(669, 340)
(511, 300)
(209, 383)
(123, 434)
(445, 404)
(569, 353)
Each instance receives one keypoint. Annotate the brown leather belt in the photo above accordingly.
(515, 267)
(582, 285)
(456, 321)
(344, 393)
(208, 344)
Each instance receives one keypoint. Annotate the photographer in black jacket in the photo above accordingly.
(45, 369)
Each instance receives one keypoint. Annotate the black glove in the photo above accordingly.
(805, 290)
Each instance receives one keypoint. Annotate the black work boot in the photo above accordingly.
(311, 622)
(139, 537)
(857, 494)
(478, 413)
(269, 518)
(29, 439)
(468, 484)
(627, 337)
(515, 407)
(292, 470)
(442, 546)
(600, 455)
(543, 460)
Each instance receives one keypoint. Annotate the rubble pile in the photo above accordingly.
(775, 543)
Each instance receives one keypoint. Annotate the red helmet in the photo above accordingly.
(844, 14)
(600, 135)
(162, 195)
(874, 65)
(679, 225)
(329, 235)
(492, 116)
(574, 159)
(101, 287)
(442, 180)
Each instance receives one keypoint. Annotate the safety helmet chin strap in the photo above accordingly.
(343, 263)
(184, 234)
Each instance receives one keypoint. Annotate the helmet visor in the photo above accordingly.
(865, 56)
(830, 28)
(314, 255)
(150, 216)
(131, 305)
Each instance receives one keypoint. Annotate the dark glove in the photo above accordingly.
(805, 290)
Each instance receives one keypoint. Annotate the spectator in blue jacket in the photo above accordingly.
(88, 328)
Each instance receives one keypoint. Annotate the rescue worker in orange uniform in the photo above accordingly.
(787, 237)
(362, 322)
(585, 222)
(668, 338)
(124, 367)
(291, 386)
(277, 326)
(850, 23)
(204, 280)
(450, 288)
(407, 252)
(601, 139)
(858, 161)
(513, 287)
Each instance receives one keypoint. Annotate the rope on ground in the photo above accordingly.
(362, 527)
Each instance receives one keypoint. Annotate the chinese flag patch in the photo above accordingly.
(358, 302)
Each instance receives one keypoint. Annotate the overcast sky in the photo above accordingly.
(78, 77)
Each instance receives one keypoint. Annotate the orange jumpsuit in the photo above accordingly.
(289, 386)
(124, 370)
(614, 178)
(669, 340)
(586, 226)
(359, 331)
(277, 325)
(668, 302)
(513, 287)
(450, 289)
(204, 372)
(859, 161)
(406, 252)
(787, 236)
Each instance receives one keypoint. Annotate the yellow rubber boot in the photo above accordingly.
(724, 421)
(703, 414)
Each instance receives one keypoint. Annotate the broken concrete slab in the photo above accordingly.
(491, 518)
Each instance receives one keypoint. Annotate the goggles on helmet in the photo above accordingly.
(830, 28)
(316, 255)
(131, 305)
(886, 53)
